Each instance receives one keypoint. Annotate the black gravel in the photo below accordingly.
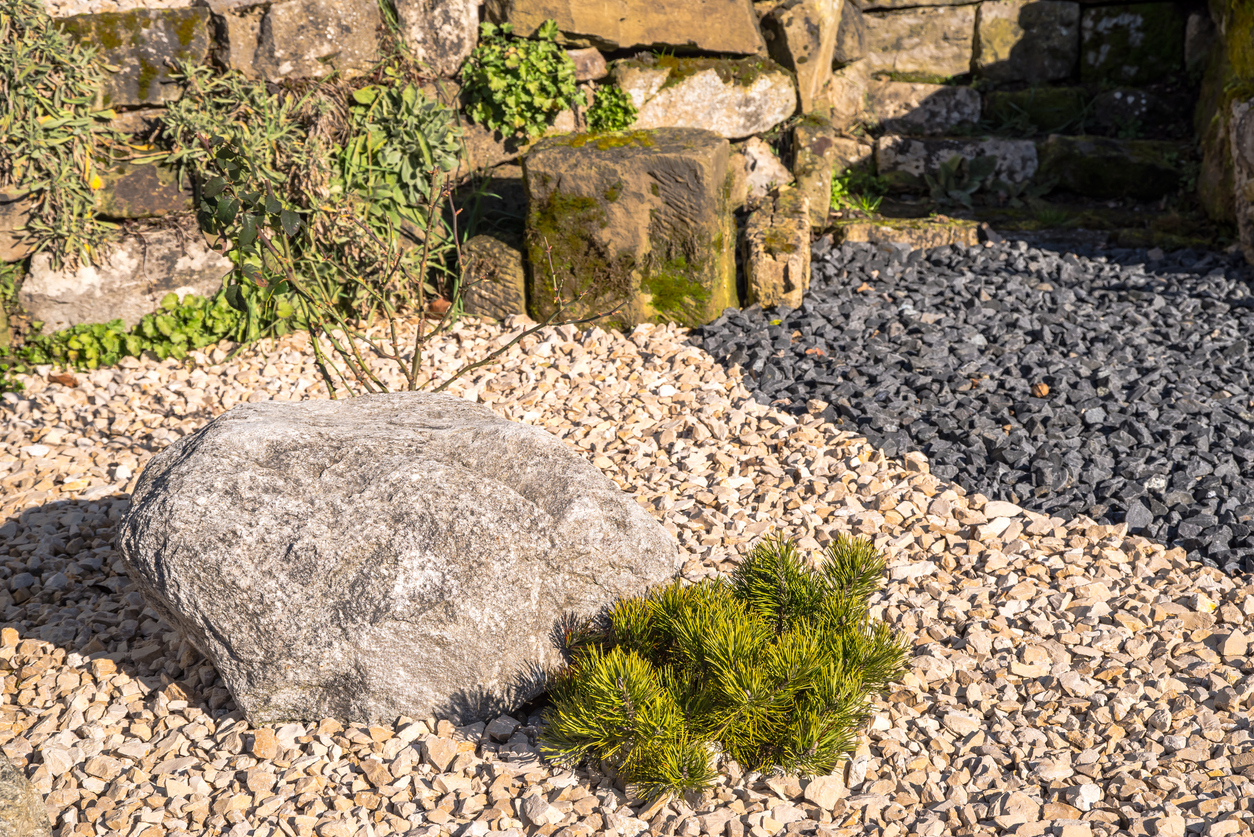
(1149, 415)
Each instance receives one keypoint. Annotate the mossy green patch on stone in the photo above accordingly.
(739, 71)
(777, 241)
(612, 139)
(675, 292)
(1101, 167)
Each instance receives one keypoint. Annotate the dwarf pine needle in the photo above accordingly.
(773, 666)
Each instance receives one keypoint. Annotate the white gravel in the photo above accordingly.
(1065, 680)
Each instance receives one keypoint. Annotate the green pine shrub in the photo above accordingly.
(773, 668)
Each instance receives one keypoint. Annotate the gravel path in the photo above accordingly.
(1118, 387)
(1066, 678)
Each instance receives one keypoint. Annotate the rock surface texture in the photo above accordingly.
(495, 281)
(903, 107)
(704, 25)
(388, 555)
(129, 284)
(139, 45)
(801, 35)
(441, 33)
(904, 161)
(929, 41)
(777, 251)
(639, 220)
(1027, 40)
(297, 38)
(734, 99)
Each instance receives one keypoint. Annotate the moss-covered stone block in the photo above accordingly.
(1036, 41)
(143, 190)
(1138, 44)
(1044, 110)
(638, 223)
(777, 251)
(141, 45)
(1104, 168)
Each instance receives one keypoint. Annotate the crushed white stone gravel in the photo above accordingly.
(1065, 680)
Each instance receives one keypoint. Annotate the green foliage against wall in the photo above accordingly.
(518, 86)
(772, 668)
(52, 136)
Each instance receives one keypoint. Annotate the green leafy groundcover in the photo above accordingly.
(178, 327)
(774, 668)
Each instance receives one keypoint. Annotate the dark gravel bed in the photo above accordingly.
(1107, 385)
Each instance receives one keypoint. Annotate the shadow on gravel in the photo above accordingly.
(65, 586)
(1109, 384)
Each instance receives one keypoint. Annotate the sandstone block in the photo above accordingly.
(1138, 44)
(908, 108)
(917, 233)
(1103, 168)
(140, 44)
(15, 210)
(145, 190)
(385, 555)
(639, 218)
(851, 36)
(732, 98)
(815, 154)
(589, 64)
(843, 102)
(934, 41)
(904, 160)
(442, 33)
(128, 284)
(777, 251)
(703, 25)
(1027, 40)
(801, 35)
(297, 38)
(495, 279)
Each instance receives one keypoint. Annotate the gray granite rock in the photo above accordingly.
(442, 34)
(386, 555)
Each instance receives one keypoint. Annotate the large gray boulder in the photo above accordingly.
(387, 555)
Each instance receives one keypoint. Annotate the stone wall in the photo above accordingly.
(887, 83)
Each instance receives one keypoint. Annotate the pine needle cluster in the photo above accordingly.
(773, 666)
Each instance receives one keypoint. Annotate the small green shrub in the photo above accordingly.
(612, 110)
(519, 86)
(774, 668)
(857, 188)
(194, 323)
(958, 178)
